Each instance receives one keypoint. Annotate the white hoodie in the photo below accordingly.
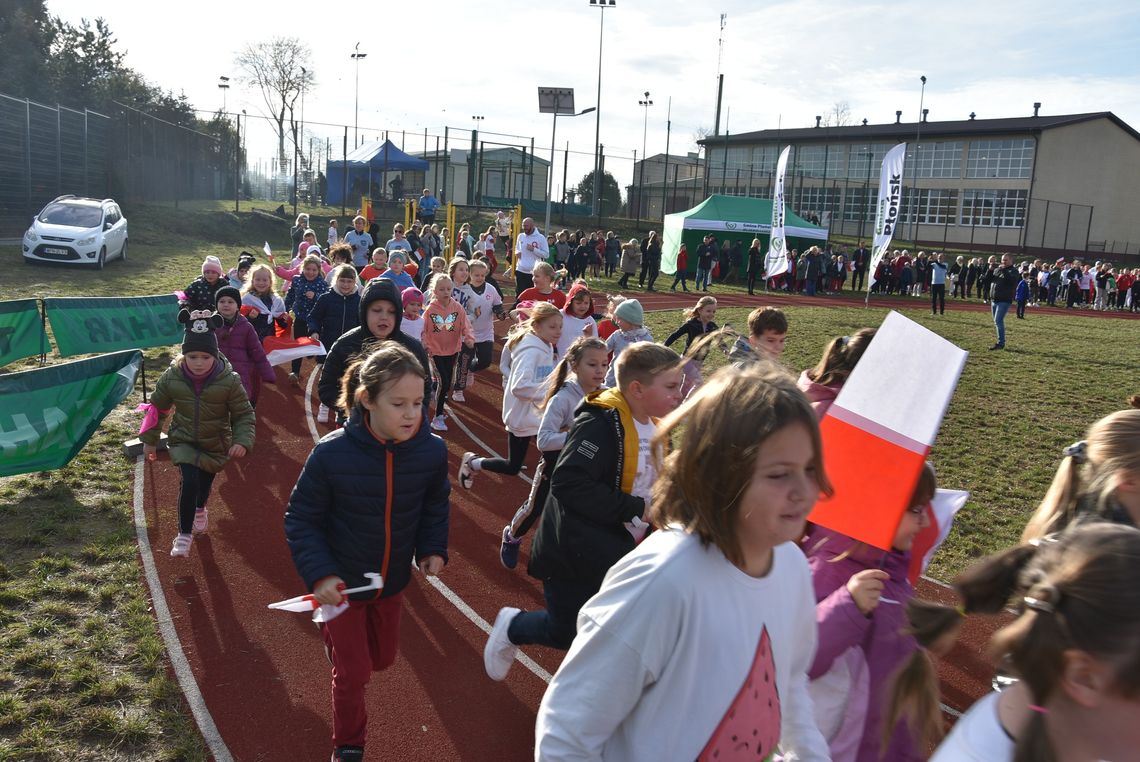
(532, 361)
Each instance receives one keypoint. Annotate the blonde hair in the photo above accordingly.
(541, 311)
(247, 287)
(703, 302)
(311, 259)
(734, 412)
(569, 364)
(1111, 446)
(545, 269)
(438, 261)
(435, 281)
(455, 265)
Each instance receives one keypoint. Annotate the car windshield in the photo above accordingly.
(72, 215)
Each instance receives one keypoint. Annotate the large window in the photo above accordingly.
(938, 160)
(819, 161)
(858, 203)
(989, 208)
(818, 200)
(865, 160)
(1001, 158)
(935, 206)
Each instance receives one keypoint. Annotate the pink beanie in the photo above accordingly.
(212, 263)
(412, 295)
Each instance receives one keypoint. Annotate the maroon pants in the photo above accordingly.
(360, 641)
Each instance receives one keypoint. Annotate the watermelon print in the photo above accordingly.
(750, 729)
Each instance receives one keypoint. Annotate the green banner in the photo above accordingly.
(86, 325)
(21, 331)
(49, 413)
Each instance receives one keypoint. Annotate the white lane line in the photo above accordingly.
(182, 671)
(309, 407)
(451, 596)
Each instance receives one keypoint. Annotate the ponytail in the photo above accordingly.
(840, 357)
(569, 363)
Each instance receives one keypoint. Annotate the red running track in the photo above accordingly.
(263, 673)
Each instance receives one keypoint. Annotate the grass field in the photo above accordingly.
(84, 673)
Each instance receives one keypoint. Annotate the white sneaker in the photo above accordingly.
(499, 653)
(437, 424)
(457, 396)
(182, 544)
(323, 413)
(466, 472)
(201, 520)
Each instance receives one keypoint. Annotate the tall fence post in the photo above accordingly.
(28, 159)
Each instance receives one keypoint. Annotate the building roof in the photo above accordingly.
(494, 154)
(907, 130)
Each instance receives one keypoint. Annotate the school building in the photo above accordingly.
(1037, 184)
(489, 175)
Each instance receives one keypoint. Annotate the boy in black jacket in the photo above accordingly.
(596, 510)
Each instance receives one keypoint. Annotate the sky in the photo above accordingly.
(431, 64)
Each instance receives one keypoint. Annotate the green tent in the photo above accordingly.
(733, 218)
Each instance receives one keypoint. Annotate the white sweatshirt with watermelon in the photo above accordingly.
(681, 655)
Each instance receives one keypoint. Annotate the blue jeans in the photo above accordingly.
(702, 278)
(557, 625)
(999, 309)
(809, 287)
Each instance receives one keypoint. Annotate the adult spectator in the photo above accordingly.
(297, 232)
(651, 259)
(1003, 283)
(427, 206)
(530, 249)
(360, 242)
(503, 231)
(938, 270)
(399, 241)
(706, 254)
(811, 270)
(859, 259)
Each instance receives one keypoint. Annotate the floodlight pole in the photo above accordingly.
(914, 175)
(356, 118)
(601, 5)
(641, 182)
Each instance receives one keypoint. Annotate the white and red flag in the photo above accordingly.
(941, 512)
(281, 349)
(878, 432)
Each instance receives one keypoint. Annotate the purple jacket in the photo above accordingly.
(819, 395)
(239, 343)
(879, 637)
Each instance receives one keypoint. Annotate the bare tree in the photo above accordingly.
(281, 69)
(838, 115)
(699, 134)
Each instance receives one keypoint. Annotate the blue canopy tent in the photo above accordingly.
(364, 164)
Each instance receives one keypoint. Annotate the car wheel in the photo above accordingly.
(102, 259)
(123, 251)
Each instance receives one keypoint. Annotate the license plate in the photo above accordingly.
(49, 250)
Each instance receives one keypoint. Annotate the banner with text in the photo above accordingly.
(86, 325)
(887, 212)
(776, 263)
(21, 331)
(50, 413)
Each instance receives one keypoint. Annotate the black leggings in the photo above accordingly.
(549, 458)
(471, 360)
(751, 280)
(195, 489)
(516, 454)
(938, 298)
(445, 365)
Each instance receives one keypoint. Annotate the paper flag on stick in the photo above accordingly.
(944, 506)
(880, 428)
(307, 602)
(280, 350)
(268, 251)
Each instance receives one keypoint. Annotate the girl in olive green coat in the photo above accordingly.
(213, 420)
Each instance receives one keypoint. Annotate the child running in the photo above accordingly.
(862, 594)
(238, 342)
(596, 513)
(543, 289)
(699, 322)
(306, 289)
(202, 292)
(767, 333)
(212, 421)
(697, 644)
(260, 302)
(580, 372)
(373, 497)
(577, 317)
(484, 306)
(531, 351)
(822, 383)
(630, 320)
(336, 313)
(412, 325)
(446, 331)
(395, 271)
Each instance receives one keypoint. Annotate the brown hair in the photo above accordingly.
(642, 362)
(368, 376)
(342, 251)
(733, 413)
(1111, 445)
(840, 357)
(767, 319)
(569, 363)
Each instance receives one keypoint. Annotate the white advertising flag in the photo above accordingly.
(776, 261)
(890, 204)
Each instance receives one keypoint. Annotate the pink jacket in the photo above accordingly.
(445, 328)
(819, 395)
(287, 273)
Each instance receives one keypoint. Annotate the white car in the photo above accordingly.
(84, 231)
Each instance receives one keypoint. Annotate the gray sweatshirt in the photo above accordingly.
(558, 416)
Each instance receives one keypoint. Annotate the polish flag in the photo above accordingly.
(878, 432)
(280, 350)
(941, 511)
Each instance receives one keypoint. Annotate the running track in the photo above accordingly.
(262, 674)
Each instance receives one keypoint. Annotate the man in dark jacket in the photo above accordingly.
(381, 310)
(859, 260)
(1003, 283)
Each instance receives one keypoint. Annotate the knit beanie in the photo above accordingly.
(200, 326)
(630, 311)
(229, 291)
(412, 295)
(212, 263)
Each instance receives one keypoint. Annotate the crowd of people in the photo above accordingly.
(701, 613)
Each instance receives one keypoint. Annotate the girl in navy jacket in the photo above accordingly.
(372, 497)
